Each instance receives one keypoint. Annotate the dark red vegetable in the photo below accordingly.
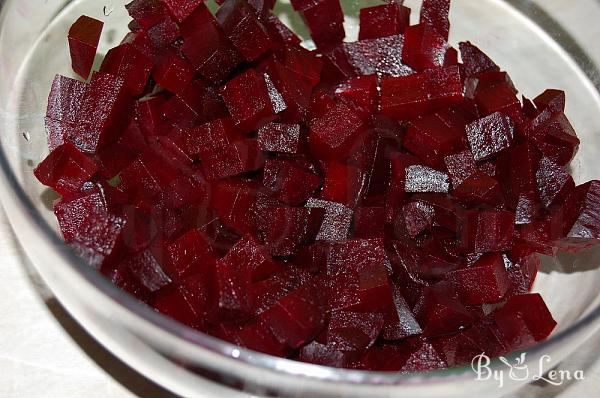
(84, 37)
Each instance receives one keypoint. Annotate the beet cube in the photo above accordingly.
(439, 312)
(586, 200)
(233, 282)
(280, 34)
(325, 355)
(325, 19)
(460, 166)
(84, 37)
(425, 179)
(500, 98)
(344, 184)
(402, 323)
(361, 93)
(524, 320)
(479, 189)
(488, 231)
(490, 135)
(375, 56)
(128, 63)
(64, 103)
(519, 184)
(206, 140)
(431, 139)
(369, 222)
(240, 157)
(248, 251)
(279, 137)
(353, 331)
(243, 28)
(207, 47)
(288, 182)
(284, 230)
(257, 336)
(434, 14)
(266, 293)
(336, 222)
(383, 20)
(181, 9)
(172, 72)
(298, 317)
(554, 183)
(188, 255)
(66, 169)
(146, 270)
(335, 134)
(235, 202)
(554, 100)
(248, 112)
(475, 61)
(418, 217)
(485, 282)
(423, 48)
(187, 108)
(554, 136)
(146, 13)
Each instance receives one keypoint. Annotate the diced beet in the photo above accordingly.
(439, 312)
(181, 9)
(128, 63)
(423, 47)
(283, 230)
(460, 166)
(325, 355)
(353, 331)
(488, 231)
(344, 184)
(519, 183)
(369, 222)
(418, 217)
(431, 139)
(233, 282)
(554, 183)
(104, 113)
(383, 20)
(64, 103)
(584, 207)
(248, 251)
(257, 336)
(84, 37)
(247, 111)
(524, 320)
(490, 135)
(189, 255)
(361, 93)
(485, 282)
(374, 56)
(336, 222)
(425, 179)
(66, 169)
(243, 28)
(240, 157)
(325, 20)
(120, 154)
(279, 137)
(434, 14)
(475, 61)
(266, 293)
(234, 202)
(424, 358)
(334, 135)
(146, 270)
(554, 136)
(172, 72)
(554, 100)
(207, 47)
(479, 189)
(288, 182)
(146, 13)
(402, 323)
(210, 138)
(499, 98)
(279, 32)
(298, 317)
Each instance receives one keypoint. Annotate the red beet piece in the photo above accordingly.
(485, 282)
(475, 61)
(146, 270)
(423, 48)
(479, 189)
(344, 184)
(181, 9)
(335, 134)
(172, 72)
(555, 100)
(336, 222)
(488, 231)
(188, 255)
(585, 204)
(554, 183)
(207, 47)
(434, 14)
(431, 139)
(369, 222)
(490, 135)
(146, 13)
(439, 312)
(192, 106)
(353, 331)
(279, 137)
(298, 317)
(361, 93)
(383, 20)
(374, 56)
(84, 37)
(284, 230)
(266, 293)
(243, 28)
(279, 32)
(401, 322)
(524, 320)
(64, 103)
(500, 98)
(235, 201)
(519, 183)
(460, 166)
(289, 182)
(247, 111)
(210, 138)
(104, 113)
(249, 251)
(325, 355)
(425, 179)
(128, 63)
(325, 19)
(117, 156)
(233, 282)
(66, 169)
(418, 217)
(257, 336)
(554, 136)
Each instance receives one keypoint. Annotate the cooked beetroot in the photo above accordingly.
(356, 205)
(84, 37)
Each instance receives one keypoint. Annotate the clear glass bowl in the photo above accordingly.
(542, 44)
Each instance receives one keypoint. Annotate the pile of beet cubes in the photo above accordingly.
(373, 205)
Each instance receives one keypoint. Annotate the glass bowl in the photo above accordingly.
(542, 44)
